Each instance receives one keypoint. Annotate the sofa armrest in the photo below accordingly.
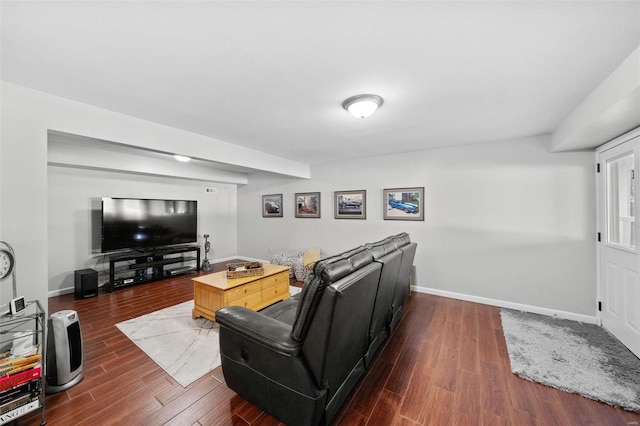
(265, 366)
(268, 332)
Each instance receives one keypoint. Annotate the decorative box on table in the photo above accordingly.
(244, 269)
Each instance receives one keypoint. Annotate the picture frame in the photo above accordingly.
(403, 203)
(307, 204)
(350, 204)
(272, 205)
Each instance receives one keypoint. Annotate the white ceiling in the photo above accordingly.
(272, 75)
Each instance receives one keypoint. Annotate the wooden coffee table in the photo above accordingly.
(214, 291)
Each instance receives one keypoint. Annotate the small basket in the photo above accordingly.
(244, 269)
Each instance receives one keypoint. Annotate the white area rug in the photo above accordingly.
(185, 348)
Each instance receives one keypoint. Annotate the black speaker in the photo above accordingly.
(86, 283)
(64, 351)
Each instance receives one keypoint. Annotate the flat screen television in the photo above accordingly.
(134, 223)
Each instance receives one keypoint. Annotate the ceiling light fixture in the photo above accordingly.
(362, 106)
(182, 158)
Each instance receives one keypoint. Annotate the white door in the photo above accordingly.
(619, 251)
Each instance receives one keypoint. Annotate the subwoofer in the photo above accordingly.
(64, 351)
(86, 283)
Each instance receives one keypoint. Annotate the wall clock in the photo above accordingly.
(8, 264)
(7, 260)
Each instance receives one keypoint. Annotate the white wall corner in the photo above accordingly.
(611, 110)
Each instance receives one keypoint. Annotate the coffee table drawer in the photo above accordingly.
(276, 292)
(243, 291)
(250, 301)
(281, 278)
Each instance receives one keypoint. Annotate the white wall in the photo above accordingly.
(23, 182)
(504, 221)
(74, 216)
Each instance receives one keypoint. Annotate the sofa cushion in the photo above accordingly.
(401, 239)
(324, 273)
(381, 248)
(361, 259)
(309, 299)
(284, 311)
(333, 271)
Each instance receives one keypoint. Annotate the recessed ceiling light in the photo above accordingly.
(362, 106)
(182, 158)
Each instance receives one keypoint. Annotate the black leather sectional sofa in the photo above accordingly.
(299, 359)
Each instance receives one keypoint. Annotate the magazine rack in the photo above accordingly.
(22, 376)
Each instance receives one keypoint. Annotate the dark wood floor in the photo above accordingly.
(447, 364)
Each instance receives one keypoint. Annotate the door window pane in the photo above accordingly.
(620, 202)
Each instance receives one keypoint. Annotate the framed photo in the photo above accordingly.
(307, 204)
(272, 205)
(350, 204)
(403, 203)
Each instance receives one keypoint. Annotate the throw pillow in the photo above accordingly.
(311, 256)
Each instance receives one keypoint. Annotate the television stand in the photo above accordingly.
(137, 267)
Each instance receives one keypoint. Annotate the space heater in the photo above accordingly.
(64, 351)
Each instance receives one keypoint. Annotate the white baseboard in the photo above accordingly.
(224, 259)
(61, 291)
(252, 259)
(509, 305)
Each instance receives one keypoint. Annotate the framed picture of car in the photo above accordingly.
(403, 203)
(272, 205)
(350, 204)
(307, 204)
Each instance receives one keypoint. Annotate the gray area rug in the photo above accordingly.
(572, 356)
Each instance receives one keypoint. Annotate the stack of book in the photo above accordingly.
(20, 384)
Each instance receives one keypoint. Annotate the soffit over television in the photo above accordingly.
(139, 223)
